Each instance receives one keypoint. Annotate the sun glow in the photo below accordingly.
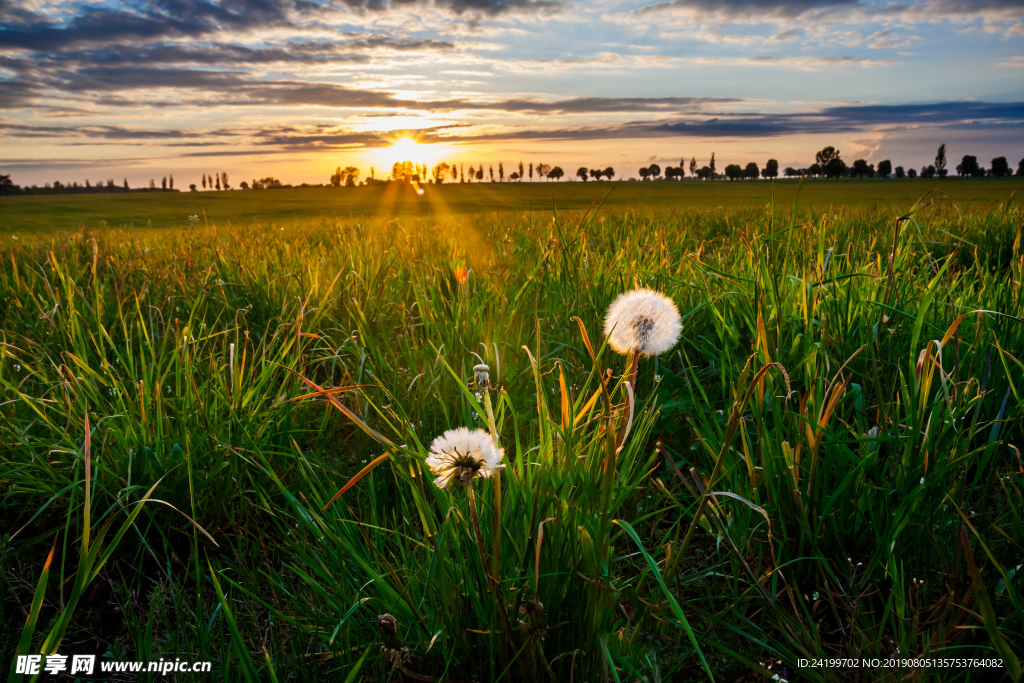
(407, 149)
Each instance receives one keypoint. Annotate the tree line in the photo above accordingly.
(413, 172)
(8, 187)
(828, 163)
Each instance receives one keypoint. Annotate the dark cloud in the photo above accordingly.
(1007, 116)
(143, 22)
(162, 19)
(737, 8)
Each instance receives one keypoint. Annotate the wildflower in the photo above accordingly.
(464, 455)
(461, 275)
(642, 321)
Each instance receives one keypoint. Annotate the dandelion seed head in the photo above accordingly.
(642, 321)
(463, 454)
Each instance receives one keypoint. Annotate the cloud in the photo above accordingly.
(83, 23)
(784, 36)
(831, 120)
(888, 39)
(746, 9)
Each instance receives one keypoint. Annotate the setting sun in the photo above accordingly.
(407, 149)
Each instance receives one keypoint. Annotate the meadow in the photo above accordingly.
(213, 439)
(172, 210)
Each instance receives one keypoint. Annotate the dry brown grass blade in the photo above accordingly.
(337, 404)
(351, 482)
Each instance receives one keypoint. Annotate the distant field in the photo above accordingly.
(171, 210)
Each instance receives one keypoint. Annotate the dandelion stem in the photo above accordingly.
(634, 362)
(476, 524)
(496, 549)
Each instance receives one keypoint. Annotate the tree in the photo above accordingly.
(968, 166)
(830, 163)
(670, 173)
(899, 171)
(862, 168)
(645, 173)
(6, 185)
(542, 170)
(520, 170)
(912, 173)
(163, 183)
(693, 166)
(244, 185)
(1020, 168)
(218, 182)
(171, 181)
(462, 173)
(704, 172)
(927, 171)
(814, 170)
(126, 185)
(192, 187)
(224, 178)
(682, 168)
(940, 161)
(480, 173)
(790, 172)
(501, 171)
(884, 168)
(1000, 168)
(771, 169)
(472, 173)
(655, 170)
(490, 171)
(609, 173)
(204, 181)
(556, 173)
(531, 172)
(455, 173)
(336, 178)
(440, 171)
(152, 184)
(712, 165)
(733, 171)
(751, 172)
(583, 172)
(513, 176)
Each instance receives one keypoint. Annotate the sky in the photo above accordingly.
(137, 89)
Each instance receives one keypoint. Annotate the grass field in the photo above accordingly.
(171, 210)
(826, 465)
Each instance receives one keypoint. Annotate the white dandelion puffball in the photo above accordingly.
(463, 454)
(642, 321)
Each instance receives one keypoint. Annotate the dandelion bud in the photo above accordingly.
(483, 376)
(387, 624)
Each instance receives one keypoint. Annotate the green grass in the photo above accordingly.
(848, 385)
(172, 210)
